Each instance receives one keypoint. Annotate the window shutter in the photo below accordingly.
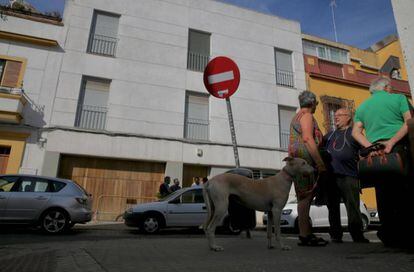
(11, 74)
(284, 61)
(106, 25)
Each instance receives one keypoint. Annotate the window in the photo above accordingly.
(10, 71)
(57, 186)
(261, 174)
(196, 124)
(325, 52)
(193, 196)
(104, 32)
(285, 118)
(4, 158)
(330, 106)
(93, 103)
(284, 68)
(198, 50)
(7, 183)
(29, 184)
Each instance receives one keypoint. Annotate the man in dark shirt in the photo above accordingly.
(165, 187)
(343, 150)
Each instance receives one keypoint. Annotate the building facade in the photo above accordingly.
(340, 76)
(113, 96)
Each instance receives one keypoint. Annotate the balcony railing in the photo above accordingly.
(285, 78)
(102, 45)
(196, 129)
(92, 117)
(197, 62)
(284, 139)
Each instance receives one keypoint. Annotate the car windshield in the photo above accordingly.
(172, 195)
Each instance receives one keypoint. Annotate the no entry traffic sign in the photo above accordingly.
(221, 77)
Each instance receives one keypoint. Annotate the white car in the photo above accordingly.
(318, 215)
(183, 208)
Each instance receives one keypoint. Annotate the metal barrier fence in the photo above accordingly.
(197, 62)
(92, 117)
(116, 212)
(285, 78)
(197, 129)
(103, 45)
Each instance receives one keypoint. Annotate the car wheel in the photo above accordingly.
(150, 224)
(54, 221)
(364, 223)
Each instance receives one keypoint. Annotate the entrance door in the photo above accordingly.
(4, 158)
(191, 171)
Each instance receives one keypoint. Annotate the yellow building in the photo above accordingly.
(340, 76)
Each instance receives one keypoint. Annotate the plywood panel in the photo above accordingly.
(113, 182)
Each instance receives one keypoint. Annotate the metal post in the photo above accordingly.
(233, 133)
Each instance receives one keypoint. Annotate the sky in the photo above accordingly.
(359, 23)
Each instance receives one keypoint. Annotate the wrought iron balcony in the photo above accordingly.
(284, 139)
(285, 78)
(197, 62)
(196, 129)
(102, 45)
(91, 117)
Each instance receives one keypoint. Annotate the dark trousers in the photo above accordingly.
(394, 204)
(348, 188)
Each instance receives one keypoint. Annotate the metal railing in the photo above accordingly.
(284, 139)
(115, 215)
(103, 45)
(197, 62)
(196, 129)
(285, 78)
(92, 117)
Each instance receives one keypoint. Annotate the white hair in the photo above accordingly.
(379, 84)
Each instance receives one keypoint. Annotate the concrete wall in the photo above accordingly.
(403, 10)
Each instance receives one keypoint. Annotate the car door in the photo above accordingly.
(319, 215)
(28, 199)
(6, 185)
(187, 209)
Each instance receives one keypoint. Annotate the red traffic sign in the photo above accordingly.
(221, 77)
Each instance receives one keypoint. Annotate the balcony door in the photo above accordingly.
(93, 104)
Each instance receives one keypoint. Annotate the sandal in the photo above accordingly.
(312, 240)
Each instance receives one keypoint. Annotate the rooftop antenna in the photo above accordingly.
(333, 5)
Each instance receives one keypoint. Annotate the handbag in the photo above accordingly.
(380, 168)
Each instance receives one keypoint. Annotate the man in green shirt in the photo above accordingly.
(384, 117)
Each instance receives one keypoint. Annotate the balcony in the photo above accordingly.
(346, 73)
(12, 101)
(91, 117)
(285, 78)
(102, 45)
(197, 62)
(196, 129)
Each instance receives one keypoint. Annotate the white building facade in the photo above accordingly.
(405, 26)
(117, 101)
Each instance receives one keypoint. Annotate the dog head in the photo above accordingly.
(297, 167)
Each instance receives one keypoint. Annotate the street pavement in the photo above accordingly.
(114, 247)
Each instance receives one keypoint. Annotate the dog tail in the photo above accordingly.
(209, 204)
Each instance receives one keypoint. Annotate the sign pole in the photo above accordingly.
(233, 133)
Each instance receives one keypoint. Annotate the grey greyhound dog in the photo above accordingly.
(267, 195)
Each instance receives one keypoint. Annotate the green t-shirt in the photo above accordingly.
(382, 115)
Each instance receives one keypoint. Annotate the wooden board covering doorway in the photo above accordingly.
(114, 184)
(190, 171)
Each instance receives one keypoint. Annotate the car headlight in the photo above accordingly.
(130, 210)
(287, 211)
